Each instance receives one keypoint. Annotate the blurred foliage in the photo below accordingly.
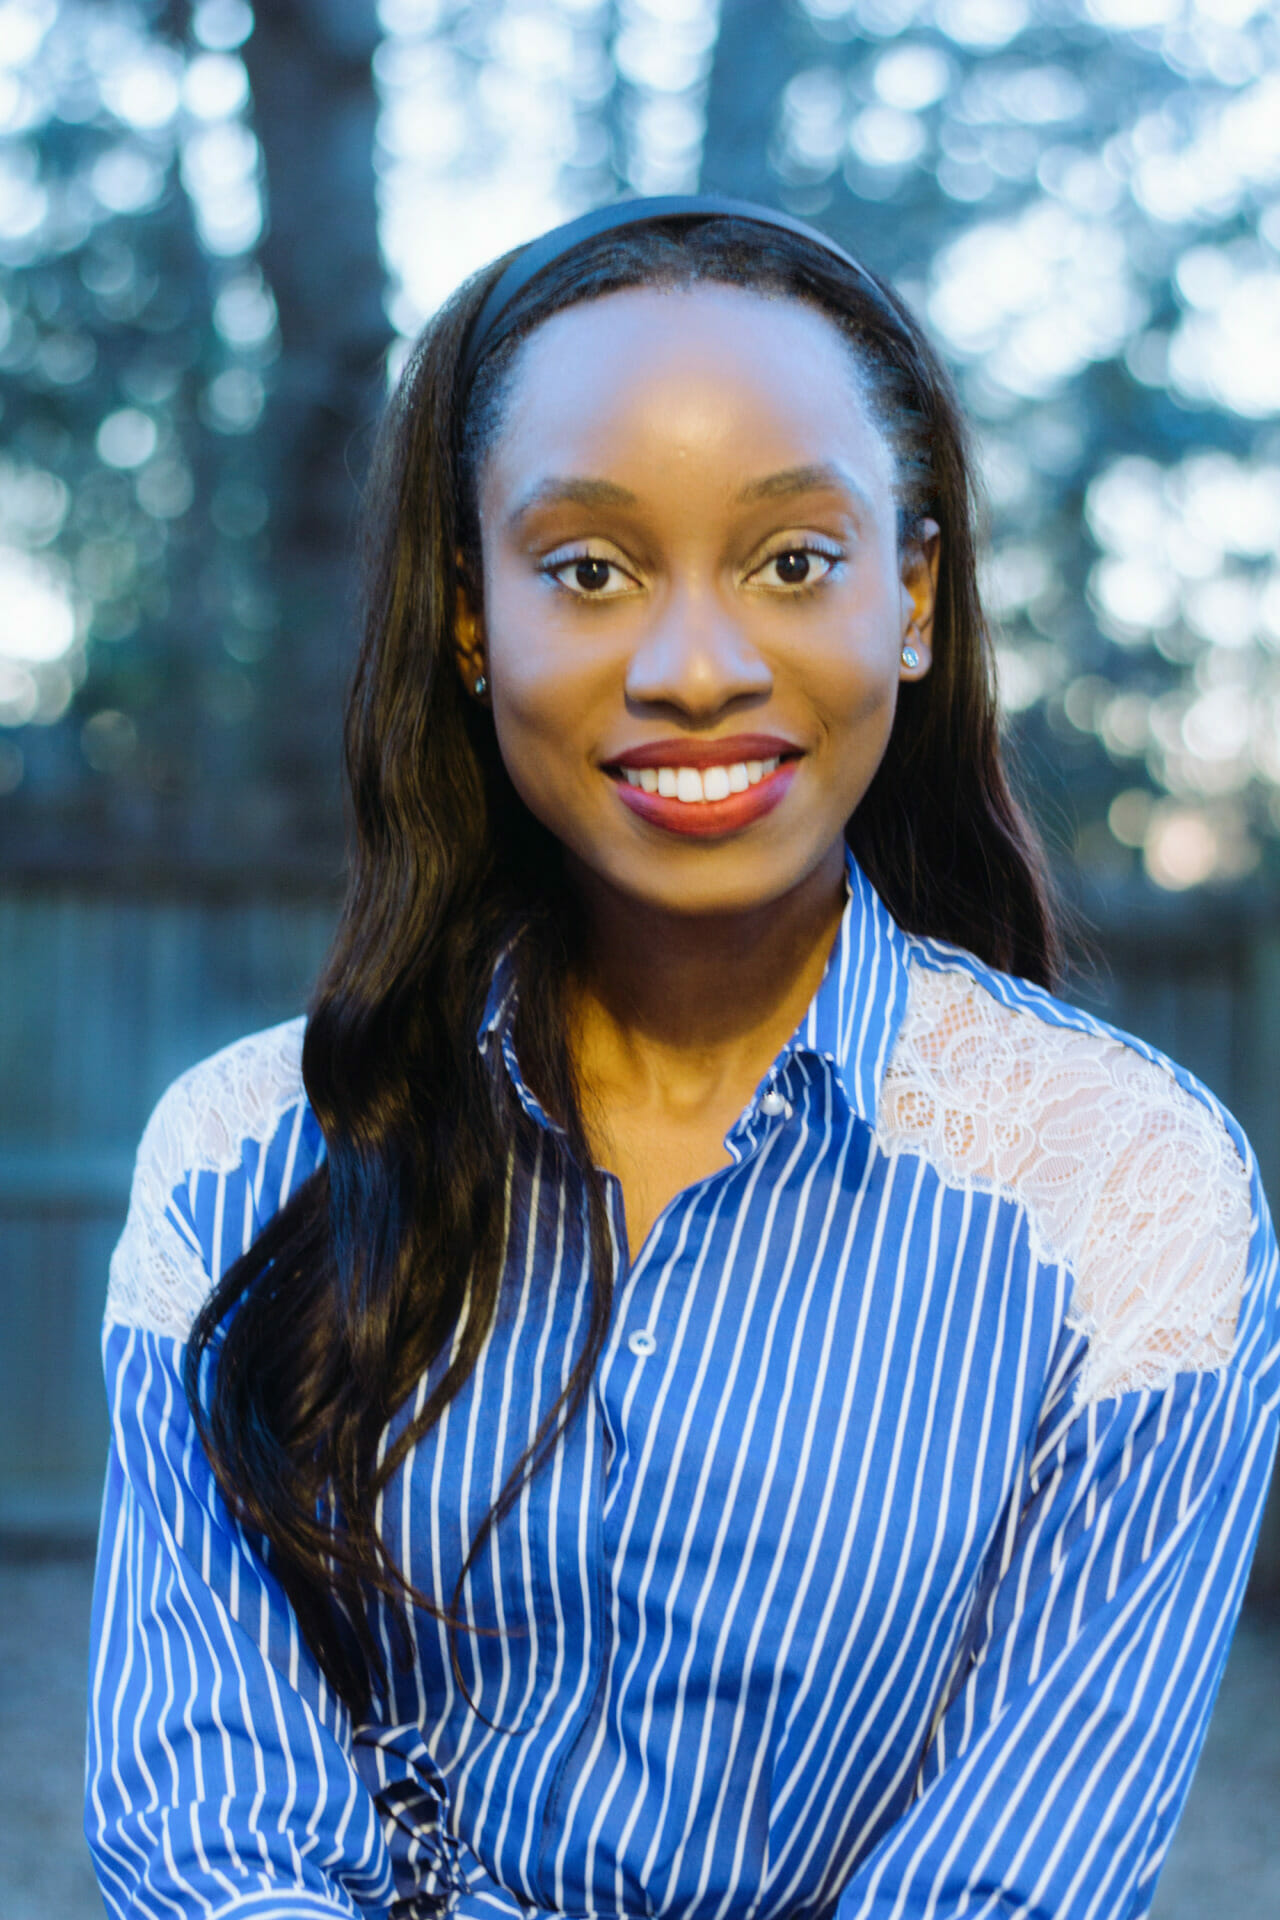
(176, 618)
(129, 470)
(211, 228)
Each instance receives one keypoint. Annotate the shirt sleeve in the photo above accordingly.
(219, 1775)
(223, 1775)
(1065, 1746)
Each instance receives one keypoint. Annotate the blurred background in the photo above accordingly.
(221, 227)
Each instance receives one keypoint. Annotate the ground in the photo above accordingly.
(1225, 1859)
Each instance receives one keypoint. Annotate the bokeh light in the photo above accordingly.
(491, 126)
(1035, 298)
(39, 612)
(221, 25)
(126, 438)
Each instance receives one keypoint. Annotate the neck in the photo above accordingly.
(668, 1007)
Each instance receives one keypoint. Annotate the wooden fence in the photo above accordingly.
(104, 1000)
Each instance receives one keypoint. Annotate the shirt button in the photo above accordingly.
(774, 1104)
(641, 1341)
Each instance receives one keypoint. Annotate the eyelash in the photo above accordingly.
(832, 555)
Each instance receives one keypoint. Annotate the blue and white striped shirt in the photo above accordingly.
(888, 1572)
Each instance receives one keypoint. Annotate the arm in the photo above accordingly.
(220, 1776)
(1064, 1750)
(223, 1776)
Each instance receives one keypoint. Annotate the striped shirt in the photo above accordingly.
(888, 1571)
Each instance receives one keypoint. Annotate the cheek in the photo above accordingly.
(544, 694)
(539, 696)
(855, 681)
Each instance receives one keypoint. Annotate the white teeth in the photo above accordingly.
(692, 784)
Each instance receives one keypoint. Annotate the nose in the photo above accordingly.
(697, 658)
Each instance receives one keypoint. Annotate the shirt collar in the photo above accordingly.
(854, 1017)
(852, 1021)
(496, 1025)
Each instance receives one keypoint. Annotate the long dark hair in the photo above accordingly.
(323, 1328)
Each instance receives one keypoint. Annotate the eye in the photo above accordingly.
(796, 569)
(588, 576)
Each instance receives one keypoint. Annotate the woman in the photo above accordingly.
(819, 1387)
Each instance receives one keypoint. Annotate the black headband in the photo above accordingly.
(560, 240)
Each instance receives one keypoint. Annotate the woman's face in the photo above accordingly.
(694, 607)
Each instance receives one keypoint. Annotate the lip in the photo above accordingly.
(682, 751)
(708, 819)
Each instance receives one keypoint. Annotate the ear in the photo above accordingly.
(468, 633)
(919, 596)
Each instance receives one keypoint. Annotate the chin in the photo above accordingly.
(696, 878)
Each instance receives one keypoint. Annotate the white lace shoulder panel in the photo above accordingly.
(1128, 1178)
(200, 1125)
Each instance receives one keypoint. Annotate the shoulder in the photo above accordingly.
(204, 1183)
(240, 1094)
(1002, 1038)
(1130, 1170)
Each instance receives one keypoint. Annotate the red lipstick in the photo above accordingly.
(707, 819)
(683, 751)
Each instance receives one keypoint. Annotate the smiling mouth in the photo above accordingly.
(695, 786)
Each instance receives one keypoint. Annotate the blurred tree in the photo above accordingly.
(176, 494)
(309, 64)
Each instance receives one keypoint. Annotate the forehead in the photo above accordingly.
(720, 374)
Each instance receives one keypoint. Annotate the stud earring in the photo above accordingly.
(481, 686)
(910, 658)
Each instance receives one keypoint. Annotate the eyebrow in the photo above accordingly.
(583, 492)
(807, 479)
(572, 492)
